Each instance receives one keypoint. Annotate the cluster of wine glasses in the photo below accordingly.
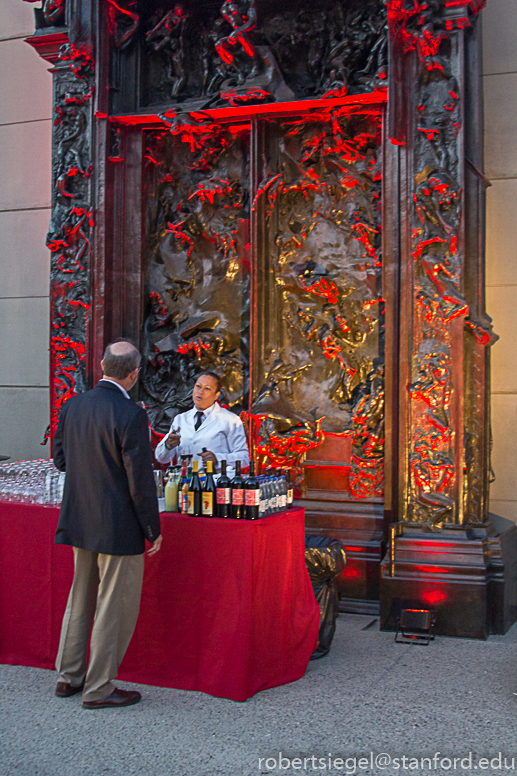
(31, 482)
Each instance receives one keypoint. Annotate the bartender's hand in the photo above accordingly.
(155, 545)
(206, 455)
(172, 440)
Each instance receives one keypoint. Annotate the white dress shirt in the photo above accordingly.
(221, 433)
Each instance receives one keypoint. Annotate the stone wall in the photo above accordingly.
(25, 153)
(500, 95)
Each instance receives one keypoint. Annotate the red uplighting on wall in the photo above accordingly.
(433, 597)
(350, 572)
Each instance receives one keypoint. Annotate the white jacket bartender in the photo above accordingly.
(207, 425)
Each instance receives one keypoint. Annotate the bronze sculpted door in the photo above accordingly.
(319, 348)
(197, 265)
(292, 234)
(262, 260)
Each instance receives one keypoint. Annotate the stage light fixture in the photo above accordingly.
(415, 626)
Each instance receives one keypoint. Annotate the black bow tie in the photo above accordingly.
(199, 419)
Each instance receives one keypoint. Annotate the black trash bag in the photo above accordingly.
(325, 559)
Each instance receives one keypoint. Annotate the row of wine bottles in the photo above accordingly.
(249, 498)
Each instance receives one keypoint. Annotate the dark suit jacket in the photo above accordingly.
(109, 502)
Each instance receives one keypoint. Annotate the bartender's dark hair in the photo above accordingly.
(120, 365)
(213, 375)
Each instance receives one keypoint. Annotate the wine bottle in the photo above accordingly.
(290, 491)
(252, 495)
(263, 504)
(224, 493)
(209, 499)
(194, 493)
(202, 472)
(273, 504)
(237, 486)
(184, 483)
(283, 491)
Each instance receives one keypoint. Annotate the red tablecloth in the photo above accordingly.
(227, 606)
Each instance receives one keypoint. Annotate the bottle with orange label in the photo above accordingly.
(183, 489)
(208, 497)
(194, 493)
(237, 486)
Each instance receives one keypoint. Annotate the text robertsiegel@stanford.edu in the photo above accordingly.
(377, 763)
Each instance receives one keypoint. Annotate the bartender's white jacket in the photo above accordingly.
(221, 433)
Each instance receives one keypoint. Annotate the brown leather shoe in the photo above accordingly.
(115, 700)
(65, 690)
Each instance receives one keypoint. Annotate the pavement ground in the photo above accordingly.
(360, 710)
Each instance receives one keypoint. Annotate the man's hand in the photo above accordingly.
(206, 455)
(155, 545)
(172, 440)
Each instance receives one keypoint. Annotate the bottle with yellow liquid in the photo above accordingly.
(194, 493)
(183, 492)
(208, 497)
(171, 492)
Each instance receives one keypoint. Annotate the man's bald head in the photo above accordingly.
(120, 359)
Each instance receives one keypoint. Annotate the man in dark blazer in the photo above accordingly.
(109, 508)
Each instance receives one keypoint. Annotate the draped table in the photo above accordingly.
(227, 606)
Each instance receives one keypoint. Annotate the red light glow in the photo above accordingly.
(433, 597)
(350, 572)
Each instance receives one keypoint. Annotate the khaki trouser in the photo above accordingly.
(105, 594)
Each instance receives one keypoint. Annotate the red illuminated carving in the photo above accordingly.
(433, 386)
(431, 467)
(197, 346)
(177, 231)
(208, 191)
(53, 11)
(366, 476)
(323, 287)
(482, 330)
(251, 96)
(70, 228)
(81, 60)
(122, 23)
(435, 425)
(415, 25)
(242, 16)
(66, 358)
(282, 449)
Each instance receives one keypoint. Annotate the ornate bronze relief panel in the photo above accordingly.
(315, 375)
(200, 55)
(319, 380)
(197, 265)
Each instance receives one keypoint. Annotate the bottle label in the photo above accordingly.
(237, 497)
(224, 496)
(190, 508)
(252, 497)
(184, 503)
(262, 507)
(290, 494)
(272, 502)
(208, 504)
